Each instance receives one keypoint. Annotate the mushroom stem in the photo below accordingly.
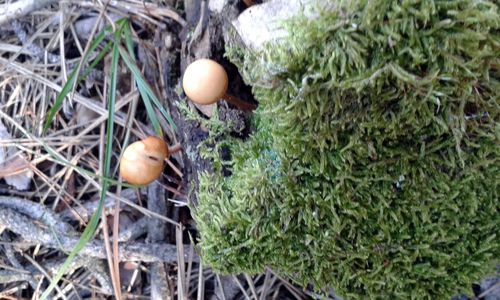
(248, 3)
(175, 148)
(243, 105)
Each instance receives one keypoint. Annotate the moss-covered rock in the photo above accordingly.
(374, 168)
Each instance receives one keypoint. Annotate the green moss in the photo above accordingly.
(374, 168)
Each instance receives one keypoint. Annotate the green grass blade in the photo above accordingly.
(149, 110)
(128, 40)
(92, 225)
(142, 84)
(59, 100)
(71, 80)
(142, 90)
(97, 60)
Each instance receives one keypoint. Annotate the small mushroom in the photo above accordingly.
(143, 161)
(205, 82)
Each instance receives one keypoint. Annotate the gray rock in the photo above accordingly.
(263, 23)
(217, 6)
(491, 288)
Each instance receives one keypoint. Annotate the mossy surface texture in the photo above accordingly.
(374, 165)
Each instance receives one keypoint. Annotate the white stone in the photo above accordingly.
(262, 23)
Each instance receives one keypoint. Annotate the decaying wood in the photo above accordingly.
(36, 50)
(157, 203)
(135, 230)
(84, 212)
(156, 233)
(14, 10)
(53, 265)
(37, 212)
(31, 232)
(10, 255)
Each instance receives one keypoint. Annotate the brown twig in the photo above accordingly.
(116, 230)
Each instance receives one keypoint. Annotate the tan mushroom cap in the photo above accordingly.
(143, 161)
(205, 81)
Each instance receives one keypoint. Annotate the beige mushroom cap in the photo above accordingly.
(205, 81)
(143, 161)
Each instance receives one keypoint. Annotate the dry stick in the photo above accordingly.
(9, 254)
(67, 172)
(223, 295)
(85, 51)
(242, 289)
(30, 232)
(277, 291)
(20, 8)
(143, 210)
(156, 202)
(489, 290)
(135, 230)
(116, 215)
(190, 266)
(41, 53)
(34, 49)
(93, 125)
(4, 294)
(87, 102)
(89, 207)
(37, 212)
(251, 285)
(44, 273)
(159, 284)
(181, 276)
(9, 276)
(138, 9)
(116, 229)
(171, 135)
(86, 176)
(52, 141)
(201, 283)
(52, 185)
(53, 265)
(268, 286)
(115, 277)
(199, 26)
(290, 287)
(265, 286)
(156, 233)
(102, 277)
(109, 258)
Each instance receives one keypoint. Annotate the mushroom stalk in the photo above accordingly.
(174, 149)
(243, 105)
